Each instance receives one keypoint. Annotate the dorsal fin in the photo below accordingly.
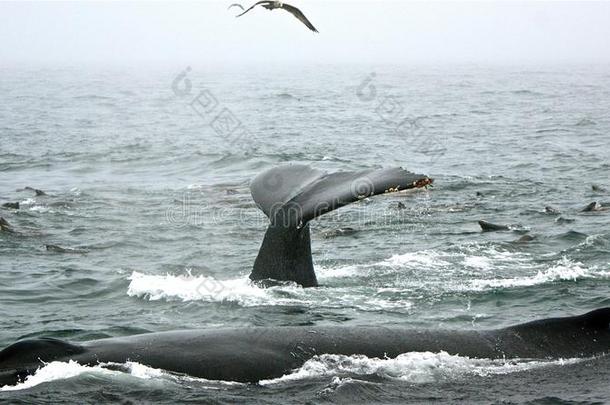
(33, 351)
(598, 319)
(293, 195)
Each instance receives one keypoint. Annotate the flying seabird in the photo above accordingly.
(270, 5)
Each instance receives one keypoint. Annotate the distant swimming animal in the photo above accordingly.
(594, 206)
(11, 205)
(551, 210)
(271, 5)
(59, 249)
(252, 354)
(345, 231)
(598, 189)
(525, 239)
(293, 195)
(5, 226)
(35, 190)
(489, 227)
(562, 220)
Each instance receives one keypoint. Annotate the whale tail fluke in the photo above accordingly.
(293, 195)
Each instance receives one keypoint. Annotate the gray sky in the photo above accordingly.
(205, 32)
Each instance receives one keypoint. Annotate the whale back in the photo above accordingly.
(576, 336)
(594, 321)
(20, 358)
(293, 195)
(251, 354)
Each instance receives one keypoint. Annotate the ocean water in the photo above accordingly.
(147, 171)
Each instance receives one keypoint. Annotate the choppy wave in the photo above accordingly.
(413, 367)
(189, 288)
(244, 292)
(585, 122)
(32, 205)
(564, 270)
(393, 284)
(478, 257)
(475, 264)
(57, 370)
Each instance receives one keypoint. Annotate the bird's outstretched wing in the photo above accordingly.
(254, 5)
(235, 5)
(298, 14)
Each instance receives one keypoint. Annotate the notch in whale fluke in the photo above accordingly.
(293, 195)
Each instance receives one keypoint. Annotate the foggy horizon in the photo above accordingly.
(160, 34)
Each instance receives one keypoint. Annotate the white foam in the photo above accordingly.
(31, 205)
(478, 262)
(472, 256)
(338, 382)
(413, 367)
(593, 240)
(398, 281)
(58, 370)
(190, 288)
(564, 270)
(323, 272)
(502, 258)
(245, 293)
(41, 208)
(426, 258)
(144, 372)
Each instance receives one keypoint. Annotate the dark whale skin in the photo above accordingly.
(254, 354)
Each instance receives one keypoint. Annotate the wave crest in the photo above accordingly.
(413, 367)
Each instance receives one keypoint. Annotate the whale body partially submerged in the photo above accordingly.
(254, 354)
